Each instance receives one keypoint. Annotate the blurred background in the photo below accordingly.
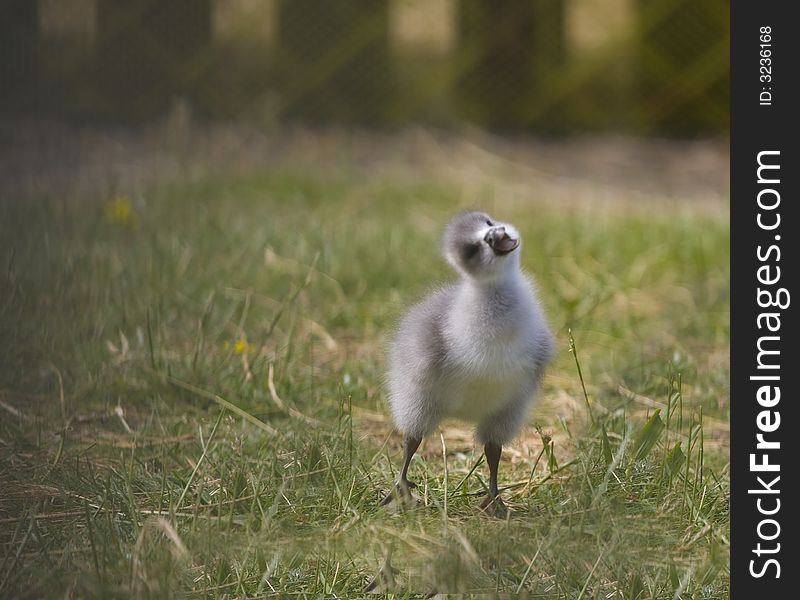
(548, 66)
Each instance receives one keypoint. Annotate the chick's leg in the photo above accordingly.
(492, 504)
(402, 484)
(495, 430)
(410, 445)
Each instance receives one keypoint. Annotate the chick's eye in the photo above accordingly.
(489, 223)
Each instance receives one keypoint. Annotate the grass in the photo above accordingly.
(191, 401)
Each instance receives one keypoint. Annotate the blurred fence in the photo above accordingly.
(542, 65)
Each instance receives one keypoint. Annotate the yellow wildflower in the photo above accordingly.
(239, 346)
(119, 210)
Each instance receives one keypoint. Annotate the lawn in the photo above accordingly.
(191, 400)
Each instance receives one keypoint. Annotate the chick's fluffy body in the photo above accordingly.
(474, 350)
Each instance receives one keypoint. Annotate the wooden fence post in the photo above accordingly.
(506, 50)
(19, 54)
(334, 59)
(146, 51)
(683, 74)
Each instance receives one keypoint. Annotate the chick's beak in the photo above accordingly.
(499, 240)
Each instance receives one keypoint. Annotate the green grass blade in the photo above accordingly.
(649, 435)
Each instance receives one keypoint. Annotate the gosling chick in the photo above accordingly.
(474, 350)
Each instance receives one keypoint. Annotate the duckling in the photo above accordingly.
(473, 350)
